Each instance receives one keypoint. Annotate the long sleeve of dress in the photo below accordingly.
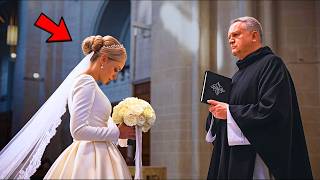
(82, 102)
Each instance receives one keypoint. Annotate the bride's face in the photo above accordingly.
(110, 70)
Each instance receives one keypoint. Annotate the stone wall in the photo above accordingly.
(298, 45)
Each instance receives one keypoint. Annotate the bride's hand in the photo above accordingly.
(126, 132)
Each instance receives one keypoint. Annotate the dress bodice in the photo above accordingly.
(90, 112)
(92, 155)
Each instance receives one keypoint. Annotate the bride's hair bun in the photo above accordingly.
(92, 43)
(103, 45)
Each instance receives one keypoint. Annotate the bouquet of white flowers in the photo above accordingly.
(135, 112)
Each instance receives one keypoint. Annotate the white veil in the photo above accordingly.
(20, 158)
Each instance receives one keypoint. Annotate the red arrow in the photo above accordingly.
(59, 33)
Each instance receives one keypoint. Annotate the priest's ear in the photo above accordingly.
(255, 37)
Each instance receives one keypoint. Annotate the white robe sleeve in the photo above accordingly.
(209, 137)
(235, 136)
(82, 102)
(261, 170)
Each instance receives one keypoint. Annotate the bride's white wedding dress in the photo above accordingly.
(92, 155)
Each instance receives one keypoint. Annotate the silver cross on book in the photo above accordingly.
(216, 87)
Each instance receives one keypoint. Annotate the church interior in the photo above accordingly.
(169, 44)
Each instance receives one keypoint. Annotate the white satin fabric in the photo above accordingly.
(20, 158)
(93, 154)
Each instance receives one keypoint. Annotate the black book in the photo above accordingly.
(216, 87)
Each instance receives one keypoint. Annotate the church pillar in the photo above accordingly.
(140, 65)
(25, 64)
(267, 17)
(175, 88)
(207, 61)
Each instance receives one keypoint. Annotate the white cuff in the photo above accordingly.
(123, 142)
(234, 133)
(115, 131)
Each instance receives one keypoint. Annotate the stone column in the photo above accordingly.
(267, 17)
(207, 61)
(227, 11)
(174, 87)
(28, 54)
(141, 21)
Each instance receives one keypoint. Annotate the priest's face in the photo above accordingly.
(240, 40)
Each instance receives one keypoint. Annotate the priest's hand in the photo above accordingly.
(218, 109)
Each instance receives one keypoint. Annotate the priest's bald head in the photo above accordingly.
(245, 36)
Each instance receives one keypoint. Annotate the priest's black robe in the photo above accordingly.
(264, 105)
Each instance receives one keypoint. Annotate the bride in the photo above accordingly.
(93, 153)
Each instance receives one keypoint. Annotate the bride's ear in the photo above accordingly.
(103, 59)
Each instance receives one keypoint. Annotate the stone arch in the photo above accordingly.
(114, 19)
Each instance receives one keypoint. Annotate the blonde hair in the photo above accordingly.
(104, 45)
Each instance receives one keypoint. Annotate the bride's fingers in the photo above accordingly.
(212, 108)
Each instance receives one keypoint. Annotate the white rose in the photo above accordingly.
(152, 120)
(146, 127)
(148, 112)
(141, 121)
(116, 115)
(136, 109)
(130, 119)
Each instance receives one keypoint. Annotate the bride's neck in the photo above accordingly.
(93, 72)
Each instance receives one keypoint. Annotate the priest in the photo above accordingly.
(259, 133)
